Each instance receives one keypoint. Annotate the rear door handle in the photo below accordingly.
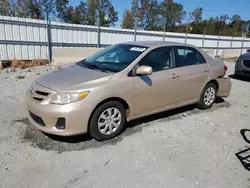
(175, 76)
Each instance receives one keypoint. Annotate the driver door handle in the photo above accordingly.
(175, 76)
(205, 70)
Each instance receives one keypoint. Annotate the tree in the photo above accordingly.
(35, 11)
(91, 12)
(5, 7)
(70, 14)
(128, 20)
(62, 10)
(220, 24)
(77, 15)
(171, 14)
(106, 11)
(107, 14)
(196, 15)
(48, 8)
(235, 18)
(196, 18)
(149, 14)
(27, 9)
(21, 8)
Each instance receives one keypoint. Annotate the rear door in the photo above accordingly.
(193, 71)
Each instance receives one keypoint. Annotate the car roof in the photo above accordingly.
(157, 43)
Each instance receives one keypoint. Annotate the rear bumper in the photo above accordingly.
(225, 86)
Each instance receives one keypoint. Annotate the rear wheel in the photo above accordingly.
(107, 121)
(207, 97)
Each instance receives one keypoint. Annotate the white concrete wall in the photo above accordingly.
(63, 56)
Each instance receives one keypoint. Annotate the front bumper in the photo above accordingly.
(242, 73)
(240, 69)
(76, 116)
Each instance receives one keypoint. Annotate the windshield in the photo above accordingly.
(114, 58)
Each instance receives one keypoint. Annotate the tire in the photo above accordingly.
(207, 99)
(102, 125)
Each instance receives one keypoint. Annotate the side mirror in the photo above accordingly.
(248, 50)
(144, 70)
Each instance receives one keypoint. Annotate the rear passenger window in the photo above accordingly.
(188, 56)
(159, 59)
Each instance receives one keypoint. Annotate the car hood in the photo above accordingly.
(246, 55)
(72, 78)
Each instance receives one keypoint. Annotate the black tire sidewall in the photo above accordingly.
(201, 103)
(93, 125)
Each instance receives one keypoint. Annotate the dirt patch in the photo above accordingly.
(23, 64)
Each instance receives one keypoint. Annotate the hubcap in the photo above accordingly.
(209, 96)
(109, 121)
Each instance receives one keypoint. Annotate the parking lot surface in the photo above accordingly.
(186, 147)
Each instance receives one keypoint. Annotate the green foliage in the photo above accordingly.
(171, 13)
(149, 14)
(5, 7)
(70, 14)
(128, 20)
(107, 14)
(48, 8)
(62, 10)
(91, 12)
(196, 15)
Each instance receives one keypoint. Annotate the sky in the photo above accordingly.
(210, 7)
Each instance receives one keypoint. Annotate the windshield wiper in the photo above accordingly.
(91, 66)
(98, 67)
(94, 66)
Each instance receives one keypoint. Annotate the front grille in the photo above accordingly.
(246, 63)
(245, 72)
(42, 93)
(38, 99)
(37, 119)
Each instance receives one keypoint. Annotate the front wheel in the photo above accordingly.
(107, 121)
(207, 97)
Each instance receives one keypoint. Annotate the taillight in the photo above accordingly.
(225, 68)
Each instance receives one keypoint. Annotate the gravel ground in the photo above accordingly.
(181, 148)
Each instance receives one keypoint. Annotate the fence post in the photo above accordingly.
(242, 44)
(186, 34)
(98, 33)
(49, 41)
(218, 42)
(1, 65)
(135, 30)
(231, 44)
(203, 39)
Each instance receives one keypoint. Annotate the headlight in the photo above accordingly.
(68, 97)
(239, 59)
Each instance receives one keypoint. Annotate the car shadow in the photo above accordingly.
(244, 155)
(169, 114)
(240, 78)
(70, 139)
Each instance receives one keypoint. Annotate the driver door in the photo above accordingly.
(158, 90)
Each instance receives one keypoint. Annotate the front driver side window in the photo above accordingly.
(159, 59)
